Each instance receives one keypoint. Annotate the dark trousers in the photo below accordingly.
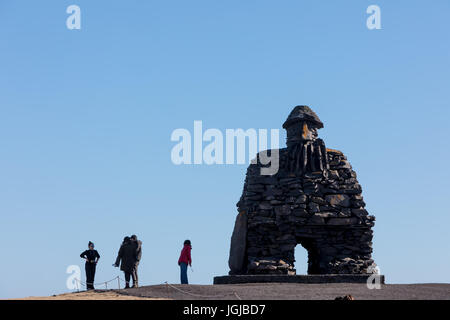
(129, 274)
(183, 273)
(90, 275)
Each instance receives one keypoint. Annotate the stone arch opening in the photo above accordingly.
(300, 259)
(313, 261)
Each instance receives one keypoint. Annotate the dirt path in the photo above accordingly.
(91, 295)
(273, 291)
(294, 291)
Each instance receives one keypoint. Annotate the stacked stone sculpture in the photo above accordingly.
(313, 200)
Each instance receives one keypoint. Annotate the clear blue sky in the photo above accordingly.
(86, 118)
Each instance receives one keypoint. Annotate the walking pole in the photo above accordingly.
(118, 282)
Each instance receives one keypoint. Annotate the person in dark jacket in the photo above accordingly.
(138, 245)
(91, 256)
(127, 260)
(185, 260)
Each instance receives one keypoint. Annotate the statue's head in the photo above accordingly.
(302, 125)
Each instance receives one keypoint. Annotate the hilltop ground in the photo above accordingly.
(271, 291)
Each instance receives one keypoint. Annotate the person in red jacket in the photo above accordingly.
(185, 260)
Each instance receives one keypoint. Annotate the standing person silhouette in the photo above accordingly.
(138, 244)
(127, 260)
(185, 260)
(91, 256)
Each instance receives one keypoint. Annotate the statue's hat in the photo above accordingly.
(302, 113)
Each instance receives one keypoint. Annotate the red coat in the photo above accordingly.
(185, 255)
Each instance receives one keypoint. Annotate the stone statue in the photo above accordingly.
(313, 200)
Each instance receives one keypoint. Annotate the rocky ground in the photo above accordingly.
(271, 291)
